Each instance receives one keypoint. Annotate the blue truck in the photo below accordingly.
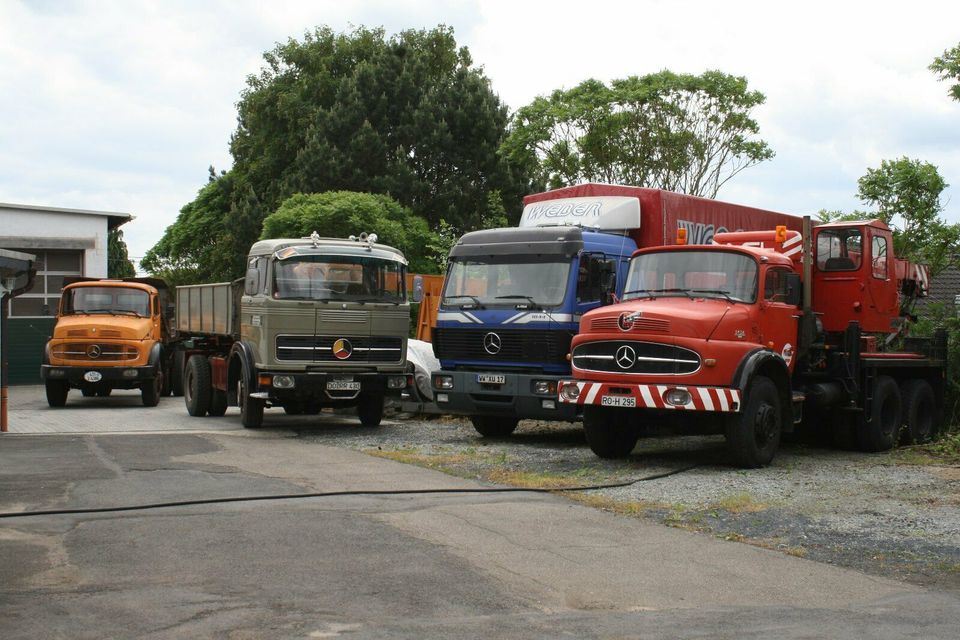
(513, 297)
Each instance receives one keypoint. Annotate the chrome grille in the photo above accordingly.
(649, 325)
(95, 352)
(631, 357)
(320, 349)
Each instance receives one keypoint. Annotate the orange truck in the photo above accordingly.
(110, 334)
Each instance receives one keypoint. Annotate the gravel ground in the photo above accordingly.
(872, 512)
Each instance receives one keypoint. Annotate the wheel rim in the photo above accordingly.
(765, 425)
(188, 387)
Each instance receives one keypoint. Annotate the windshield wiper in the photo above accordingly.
(110, 311)
(721, 292)
(475, 299)
(533, 303)
(650, 291)
(129, 312)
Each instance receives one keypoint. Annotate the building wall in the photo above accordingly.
(66, 244)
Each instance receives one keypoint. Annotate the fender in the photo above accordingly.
(770, 363)
(245, 353)
(156, 355)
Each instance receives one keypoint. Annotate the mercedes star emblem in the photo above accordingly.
(342, 349)
(93, 351)
(492, 343)
(626, 320)
(626, 357)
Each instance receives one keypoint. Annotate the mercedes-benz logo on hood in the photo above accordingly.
(626, 357)
(492, 343)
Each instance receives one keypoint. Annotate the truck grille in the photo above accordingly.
(320, 349)
(516, 345)
(94, 352)
(650, 325)
(625, 356)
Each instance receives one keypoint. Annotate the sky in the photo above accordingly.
(123, 106)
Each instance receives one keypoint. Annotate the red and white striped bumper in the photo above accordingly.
(648, 396)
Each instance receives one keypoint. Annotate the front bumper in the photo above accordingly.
(317, 386)
(513, 398)
(78, 376)
(648, 396)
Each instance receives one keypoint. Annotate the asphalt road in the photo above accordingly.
(482, 565)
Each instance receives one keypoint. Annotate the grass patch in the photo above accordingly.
(741, 503)
(631, 508)
(446, 462)
(533, 479)
(945, 451)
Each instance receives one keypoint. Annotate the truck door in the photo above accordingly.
(778, 319)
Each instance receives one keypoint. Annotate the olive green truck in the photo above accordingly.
(316, 322)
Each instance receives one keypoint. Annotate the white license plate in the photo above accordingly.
(489, 378)
(343, 385)
(618, 401)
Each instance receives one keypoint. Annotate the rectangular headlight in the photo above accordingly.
(443, 382)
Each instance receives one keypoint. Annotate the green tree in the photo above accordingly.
(196, 248)
(339, 214)
(906, 194)
(407, 115)
(947, 67)
(118, 260)
(679, 132)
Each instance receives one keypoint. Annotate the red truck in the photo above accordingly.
(757, 333)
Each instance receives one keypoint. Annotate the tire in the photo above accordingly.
(609, 434)
(104, 392)
(882, 430)
(370, 410)
(57, 393)
(753, 435)
(494, 426)
(251, 409)
(177, 363)
(88, 393)
(196, 386)
(919, 412)
(150, 393)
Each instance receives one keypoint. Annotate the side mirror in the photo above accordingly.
(794, 289)
(417, 288)
(251, 281)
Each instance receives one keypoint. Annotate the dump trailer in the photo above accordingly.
(758, 333)
(513, 297)
(110, 334)
(316, 322)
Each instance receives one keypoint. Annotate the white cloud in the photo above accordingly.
(123, 106)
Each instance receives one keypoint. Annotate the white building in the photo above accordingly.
(66, 242)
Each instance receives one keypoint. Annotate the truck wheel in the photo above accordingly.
(293, 408)
(494, 426)
(104, 392)
(370, 410)
(150, 392)
(251, 409)
(919, 411)
(57, 393)
(883, 429)
(176, 372)
(87, 392)
(218, 403)
(608, 432)
(753, 435)
(196, 386)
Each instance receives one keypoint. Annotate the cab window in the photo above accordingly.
(839, 249)
(879, 257)
(775, 285)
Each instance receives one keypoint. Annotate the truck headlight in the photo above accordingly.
(443, 382)
(396, 382)
(570, 391)
(676, 397)
(283, 382)
(543, 387)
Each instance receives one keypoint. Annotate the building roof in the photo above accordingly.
(945, 287)
(114, 218)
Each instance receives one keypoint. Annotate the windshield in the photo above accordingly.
(506, 280)
(347, 278)
(722, 274)
(109, 300)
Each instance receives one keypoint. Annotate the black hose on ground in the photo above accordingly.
(333, 494)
